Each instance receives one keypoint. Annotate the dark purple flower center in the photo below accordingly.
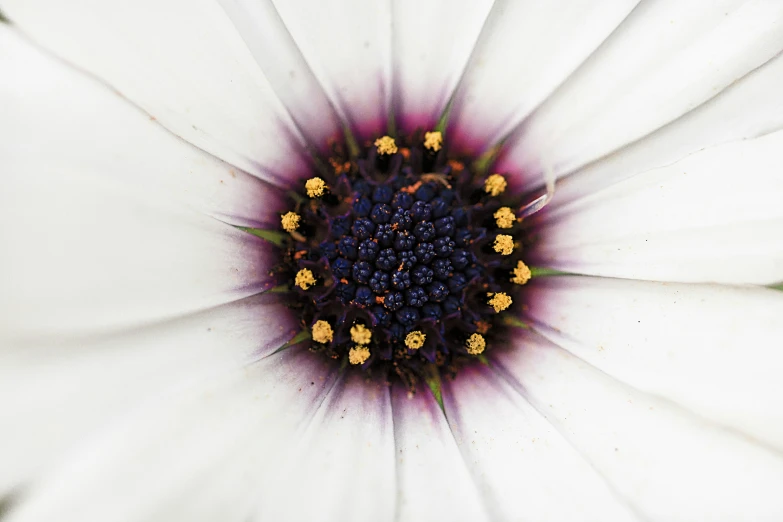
(404, 261)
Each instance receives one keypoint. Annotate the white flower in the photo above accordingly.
(140, 376)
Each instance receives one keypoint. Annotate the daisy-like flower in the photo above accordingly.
(412, 260)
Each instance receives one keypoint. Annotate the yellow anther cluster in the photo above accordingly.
(358, 354)
(415, 340)
(433, 140)
(315, 187)
(504, 244)
(290, 221)
(386, 145)
(495, 185)
(476, 344)
(304, 279)
(499, 301)
(322, 332)
(504, 217)
(360, 334)
(521, 274)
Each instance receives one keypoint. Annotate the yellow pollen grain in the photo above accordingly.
(315, 187)
(433, 140)
(360, 334)
(499, 301)
(495, 185)
(415, 340)
(322, 332)
(304, 279)
(290, 221)
(522, 274)
(504, 244)
(504, 217)
(476, 344)
(386, 145)
(358, 354)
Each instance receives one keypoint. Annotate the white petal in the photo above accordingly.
(54, 392)
(668, 464)
(341, 466)
(526, 50)
(524, 468)
(58, 119)
(431, 43)
(712, 349)
(286, 69)
(433, 479)
(749, 108)
(347, 44)
(199, 453)
(714, 216)
(183, 62)
(666, 59)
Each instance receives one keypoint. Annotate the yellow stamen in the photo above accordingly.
(433, 140)
(504, 217)
(386, 145)
(499, 301)
(415, 340)
(358, 354)
(315, 187)
(495, 185)
(504, 244)
(360, 334)
(290, 221)
(476, 344)
(304, 279)
(522, 274)
(322, 332)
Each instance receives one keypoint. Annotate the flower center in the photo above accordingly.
(404, 260)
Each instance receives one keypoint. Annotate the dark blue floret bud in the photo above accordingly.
(407, 259)
(415, 296)
(425, 252)
(444, 246)
(442, 268)
(402, 219)
(340, 226)
(462, 237)
(382, 315)
(362, 207)
(382, 194)
(421, 275)
(368, 250)
(362, 187)
(407, 316)
(341, 268)
(379, 282)
(361, 272)
(457, 282)
(460, 217)
(348, 247)
(404, 241)
(363, 228)
(437, 291)
(431, 311)
(439, 208)
(421, 211)
(385, 235)
(387, 259)
(401, 280)
(402, 200)
(450, 305)
(424, 231)
(364, 296)
(345, 292)
(393, 300)
(425, 192)
(445, 226)
(460, 259)
(397, 332)
(381, 213)
(329, 250)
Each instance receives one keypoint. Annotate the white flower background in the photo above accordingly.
(140, 376)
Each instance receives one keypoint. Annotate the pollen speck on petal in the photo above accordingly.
(475, 344)
(290, 221)
(500, 301)
(360, 334)
(504, 244)
(386, 145)
(433, 140)
(304, 279)
(504, 217)
(322, 332)
(522, 274)
(415, 340)
(358, 354)
(315, 187)
(495, 185)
